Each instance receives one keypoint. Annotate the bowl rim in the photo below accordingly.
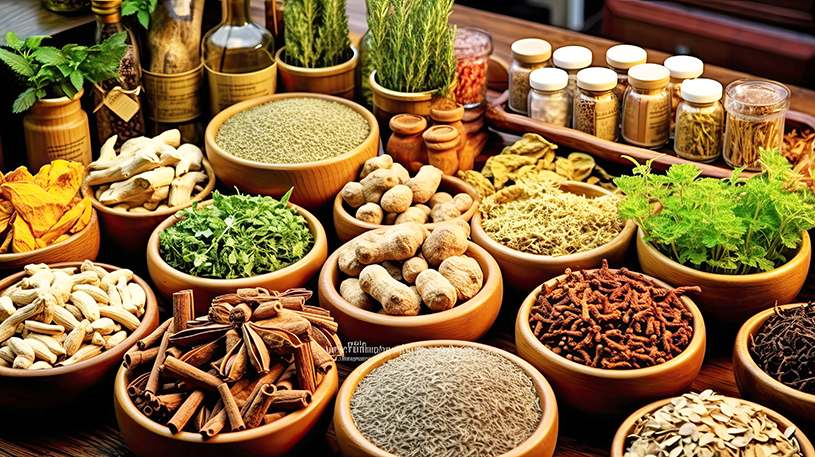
(340, 68)
(97, 205)
(18, 256)
(381, 90)
(492, 282)
(164, 268)
(220, 118)
(626, 232)
(697, 340)
(150, 311)
(741, 352)
(323, 395)
(546, 396)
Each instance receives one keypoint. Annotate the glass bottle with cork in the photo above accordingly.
(681, 68)
(572, 59)
(647, 106)
(620, 58)
(548, 100)
(528, 54)
(238, 57)
(699, 121)
(596, 107)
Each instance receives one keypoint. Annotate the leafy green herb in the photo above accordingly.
(316, 33)
(141, 8)
(238, 236)
(724, 226)
(50, 72)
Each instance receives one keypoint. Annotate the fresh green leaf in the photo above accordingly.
(68, 88)
(144, 18)
(25, 100)
(33, 42)
(77, 80)
(129, 7)
(17, 63)
(49, 55)
(14, 41)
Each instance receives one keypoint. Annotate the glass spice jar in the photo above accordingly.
(681, 68)
(620, 58)
(473, 48)
(699, 121)
(647, 106)
(548, 100)
(596, 107)
(571, 59)
(755, 119)
(528, 54)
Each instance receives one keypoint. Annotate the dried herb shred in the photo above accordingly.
(238, 236)
(784, 347)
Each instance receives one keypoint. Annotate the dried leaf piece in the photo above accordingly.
(61, 179)
(37, 207)
(23, 239)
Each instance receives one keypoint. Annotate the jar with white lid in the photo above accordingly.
(572, 59)
(647, 106)
(621, 58)
(528, 55)
(548, 101)
(681, 68)
(699, 121)
(596, 108)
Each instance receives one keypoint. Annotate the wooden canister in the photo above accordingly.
(336, 80)
(57, 128)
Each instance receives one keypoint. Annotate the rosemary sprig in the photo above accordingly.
(316, 33)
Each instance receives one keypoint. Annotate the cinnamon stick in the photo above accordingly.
(182, 309)
(286, 380)
(202, 354)
(267, 309)
(291, 400)
(232, 410)
(240, 313)
(260, 404)
(199, 419)
(274, 417)
(219, 312)
(304, 367)
(135, 359)
(214, 425)
(190, 375)
(321, 359)
(320, 321)
(317, 311)
(248, 392)
(152, 381)
(156, 335)
(136, 386)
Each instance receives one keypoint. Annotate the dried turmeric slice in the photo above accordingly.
(23, 239)
(21, 174)
(7, 241)
(66, 222)
(34, 204)
(61, 179)
(85, 218)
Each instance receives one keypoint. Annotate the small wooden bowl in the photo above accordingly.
(757, 385)
(315, 183)
(524, 271)
(33, 391)
(732, 298)
(79, 246)
(353, 444)
(349, 227)
(467, 321)
(604, 391)
(130, 231)
(618, 446)
(168, 280)
(147, 438)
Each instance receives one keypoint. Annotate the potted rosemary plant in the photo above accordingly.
(744, 241)
(318, 55)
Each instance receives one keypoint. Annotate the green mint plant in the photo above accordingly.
(316, 33)
(141, 8)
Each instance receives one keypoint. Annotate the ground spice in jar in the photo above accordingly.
(784, 347)
(755, 120)
(647, 106)
(549, 101)
(446, 401)
(596, 108)
(699, 121)
(528, 55)
(681, 68)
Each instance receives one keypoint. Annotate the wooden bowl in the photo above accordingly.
(524, 271)
(606, 391)
(627, 427)
(467, 321)
(315, 183)
(349, 227)
(130, 231)
(79, 246)
(33, 391)
(353, 444)
(147, 438)
(168, 280)
(732, 298)
(757, 385)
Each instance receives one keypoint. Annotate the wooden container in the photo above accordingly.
(388, 102)
(353, 444)
(315, 183)
(31, 392)
(731, 298)
(337, 80)
(57, 128)
(348, 227)
(168, 280)
(526, 271)
(605, 391)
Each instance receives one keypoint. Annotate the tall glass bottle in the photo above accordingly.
(238, 57)
(119, 105)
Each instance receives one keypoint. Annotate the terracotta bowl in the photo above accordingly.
(130, 231)
(605, 391)
(147, 438)
(524, 271)
(732, 298)
(168, 280)
(757, 385)
(31, 391)
(315, 183)
(349, 227)
(621, 437)
(353, 444)
(467, 321)
(80, 246)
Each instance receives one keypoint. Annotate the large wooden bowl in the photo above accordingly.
(168, 280)
(732, 298)
(627, 427)
(606, 391)
(30, 392)
(349, 227)
(150, 439)
(130, 231)
(79, 246)
(467, 321)
(315, 183)
(524, 271)
(353, 444)
(755, 384)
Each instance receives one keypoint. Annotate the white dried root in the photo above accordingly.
(182, 187)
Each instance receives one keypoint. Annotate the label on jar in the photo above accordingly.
(226, 89)
(77, 150)
(173, 98)
(647, 120)
(118, 101)
(606, 119)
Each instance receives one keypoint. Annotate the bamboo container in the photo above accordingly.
(57, 128)
(337, 80)
(388, 103)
